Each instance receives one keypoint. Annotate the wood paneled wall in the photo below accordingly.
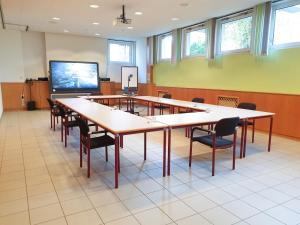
(286, 107)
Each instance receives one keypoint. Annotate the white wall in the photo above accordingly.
(76, 48)
(34, 54)
(11, 56)
(27, 54)
(141, 59)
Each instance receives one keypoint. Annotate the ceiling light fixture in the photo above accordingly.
(94, 6)
(56, 18)
(138, 13)
(175, 19)
(66, 31)
(130, 28)
(95, 23)
(97, 34)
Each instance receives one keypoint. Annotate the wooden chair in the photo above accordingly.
(215, 138)
(54, 113)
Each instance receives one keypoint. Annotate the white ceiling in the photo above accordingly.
(77, 17)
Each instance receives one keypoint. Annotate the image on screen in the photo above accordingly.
(73, 75)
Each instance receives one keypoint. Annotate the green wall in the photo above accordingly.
(276, 73)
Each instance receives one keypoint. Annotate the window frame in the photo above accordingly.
(228, 19)
(132, 51)
(185, 31)
(159, 41)
(277, 6)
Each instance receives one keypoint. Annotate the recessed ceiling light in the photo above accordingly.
(56, 18)
(175, 19)
(97, 34)
(184, 4)
(95, 23)
(66, 31)
(94, 6)
(138, 13)
(130, 28)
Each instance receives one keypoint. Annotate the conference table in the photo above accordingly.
(102, 98)
(121, 123)
(208, 117)
(116, 122)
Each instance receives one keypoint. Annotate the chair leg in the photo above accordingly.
(61, 130)
(54, 123)
(57, 119)
(51, 119)
(213, 161)
(106, 155)
(191, 152)
(233, 156)
(88, 162)
(80, 152)
(66, 132)
(253, 131)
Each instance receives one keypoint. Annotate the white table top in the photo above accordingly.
(95, 97)
(197, 118)
(113, 120)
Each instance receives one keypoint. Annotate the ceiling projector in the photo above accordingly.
(122, 20)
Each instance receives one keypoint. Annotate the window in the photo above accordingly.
(285, 24)
(165, 46)
(121, 51)
(195, 41)
(235, 33)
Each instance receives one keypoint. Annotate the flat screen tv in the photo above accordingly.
(74, 77)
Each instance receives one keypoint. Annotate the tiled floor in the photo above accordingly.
(41, 181)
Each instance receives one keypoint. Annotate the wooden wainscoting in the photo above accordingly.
(12, 95)
(286, 107)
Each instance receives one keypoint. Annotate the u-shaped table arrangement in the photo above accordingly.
(120, 123)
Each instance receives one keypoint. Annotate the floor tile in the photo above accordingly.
(284, 215)
(177, 210)
(262, 219)
(193, 220)
(13, 207)
(220, 216)
(137, 204)
(89, 217)
(199, 203)
(76, 205)
(15, 219)
(153, 216)
(240, 209)
(112, 212)
(45, 213)
(258, 202)
(130, 220)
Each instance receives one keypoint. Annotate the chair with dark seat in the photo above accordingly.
(89, 141)
(215, 138)
(249, 106)
(67, 121)
(54, 113)
(162, 107)
(196, 100)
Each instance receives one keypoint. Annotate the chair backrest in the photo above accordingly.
(247, 105)
(83, 126)
(225, 127)
(167, 96)
(51, 103)
(198, 100)
(61, 111)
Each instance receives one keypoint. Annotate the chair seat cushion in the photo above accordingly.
(71, 123)
(207, 140)
(102, 141)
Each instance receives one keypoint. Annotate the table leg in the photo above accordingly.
(121, 141)
(108, 101)
(127, 103)
(119, 103)
(242, 140)
(145, 146)
(148, 105)
(152, 109)
(116, 161)
(169, 151)
(270, 134)
(245, 139)
(164, 154)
